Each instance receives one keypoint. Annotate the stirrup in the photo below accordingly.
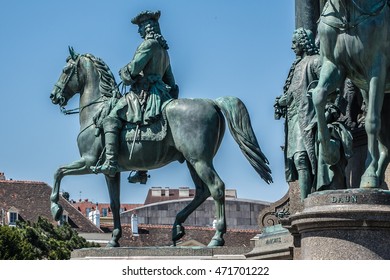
(107, 168)
(138, 177)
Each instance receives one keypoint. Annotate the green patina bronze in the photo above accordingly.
(152, 84)
(354, 39)
(195, 131)
(295, 106)
(303, 153)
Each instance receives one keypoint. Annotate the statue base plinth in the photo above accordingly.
(149, 253)
(351, 224)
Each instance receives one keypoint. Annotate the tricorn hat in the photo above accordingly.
(146, 15)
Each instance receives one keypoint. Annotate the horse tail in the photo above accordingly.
(240, 127)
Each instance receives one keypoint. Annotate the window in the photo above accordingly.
(104, 212)
(13, 217)
(87, 210)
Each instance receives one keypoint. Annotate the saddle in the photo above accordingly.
(150, 132)
(146, 131)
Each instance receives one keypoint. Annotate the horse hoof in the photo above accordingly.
(177, 232)
(369, 182)
(112, 244)
(216, 242)
(56, 211)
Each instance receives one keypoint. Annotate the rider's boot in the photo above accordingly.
(140, 176)
(111, 127)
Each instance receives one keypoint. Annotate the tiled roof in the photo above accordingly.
(32, 199)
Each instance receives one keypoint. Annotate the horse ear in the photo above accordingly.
(72, 53)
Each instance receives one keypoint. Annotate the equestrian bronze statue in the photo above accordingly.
(193, 132)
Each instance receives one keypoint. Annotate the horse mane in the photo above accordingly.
(107, 87)
(107, 84)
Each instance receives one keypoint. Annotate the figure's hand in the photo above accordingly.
(279, 112)
(282, 100)
(125, 76)
(277, 101)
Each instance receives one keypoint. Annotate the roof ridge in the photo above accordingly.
(23, 181)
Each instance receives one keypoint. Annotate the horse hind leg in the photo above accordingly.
(201, 194)
(216, 186)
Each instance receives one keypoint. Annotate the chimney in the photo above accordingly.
(184, 192)
(2, 176)
(156, 191)
(134, 224)
(231, 193)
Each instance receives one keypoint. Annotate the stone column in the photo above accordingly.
(307, 13)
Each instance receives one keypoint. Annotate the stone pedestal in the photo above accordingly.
(155, 253)
(274, 243)
(349, 224)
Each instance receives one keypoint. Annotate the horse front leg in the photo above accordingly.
(370, 178)
(78, 167)
(384, 140)
(330, 79)
(113, 184)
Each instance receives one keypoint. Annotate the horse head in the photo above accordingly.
(68, 82)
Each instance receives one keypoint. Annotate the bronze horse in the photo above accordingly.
(196, 129)
(355, 43)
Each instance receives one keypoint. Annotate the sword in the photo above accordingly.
(132, 145)
(144, 97)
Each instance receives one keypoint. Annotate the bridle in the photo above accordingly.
(61, 85)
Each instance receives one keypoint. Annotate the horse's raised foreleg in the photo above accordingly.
(330, 79)
(78, 167)
(201, 194)
(209, 176)
(113, 184)
(370, 178)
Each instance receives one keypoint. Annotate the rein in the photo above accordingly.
(80, 109)
(369, 13)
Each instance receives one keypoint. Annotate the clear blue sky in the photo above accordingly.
(217, 48)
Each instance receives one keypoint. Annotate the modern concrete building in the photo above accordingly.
(162, 205)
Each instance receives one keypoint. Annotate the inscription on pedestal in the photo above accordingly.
(273, 240)
(344, 199)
